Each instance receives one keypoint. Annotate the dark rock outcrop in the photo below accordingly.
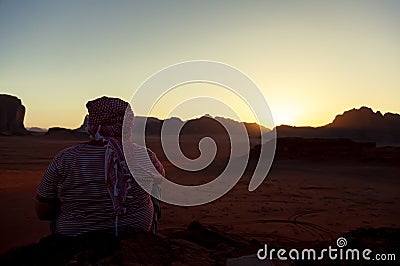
(366, 118)
(196, 245)
(12, 114)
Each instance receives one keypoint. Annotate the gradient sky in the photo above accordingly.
(311, 59)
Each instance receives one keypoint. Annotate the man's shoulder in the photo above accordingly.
(75, 149)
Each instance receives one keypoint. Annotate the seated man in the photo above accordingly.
(88, 187)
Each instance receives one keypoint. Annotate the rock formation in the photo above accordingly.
(12, 114)
(196, 245)
(362, 125)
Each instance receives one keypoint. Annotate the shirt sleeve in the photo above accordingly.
(47, 190)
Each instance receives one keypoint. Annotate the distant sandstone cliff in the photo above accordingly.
(12, 114)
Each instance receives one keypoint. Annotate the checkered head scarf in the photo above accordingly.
(105, 123)
(106, 116)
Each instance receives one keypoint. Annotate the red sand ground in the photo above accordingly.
(300, 201)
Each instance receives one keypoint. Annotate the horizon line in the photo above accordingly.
(208, 115)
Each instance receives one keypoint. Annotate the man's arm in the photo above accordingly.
(47, 204)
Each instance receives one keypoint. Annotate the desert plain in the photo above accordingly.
(302, 201)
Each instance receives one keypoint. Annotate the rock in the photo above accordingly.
(12, 114)
(195, 245)
(366, 118)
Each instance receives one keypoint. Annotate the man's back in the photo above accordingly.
(76, 177)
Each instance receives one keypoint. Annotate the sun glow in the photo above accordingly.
(284, 115)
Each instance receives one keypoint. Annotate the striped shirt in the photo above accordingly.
(76, 179)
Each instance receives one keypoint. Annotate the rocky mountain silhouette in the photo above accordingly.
(12, 114)
(362, 125)
(366, 118)
(203, 126)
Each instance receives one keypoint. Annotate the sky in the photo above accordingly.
(311, 60)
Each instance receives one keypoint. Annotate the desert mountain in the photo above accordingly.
(362, 124)
(12, 114)
(366, 118)
(203, 126)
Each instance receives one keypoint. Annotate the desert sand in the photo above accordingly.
(301, 201)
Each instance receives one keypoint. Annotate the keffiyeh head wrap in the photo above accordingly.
(105, 123)
(109, 113)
